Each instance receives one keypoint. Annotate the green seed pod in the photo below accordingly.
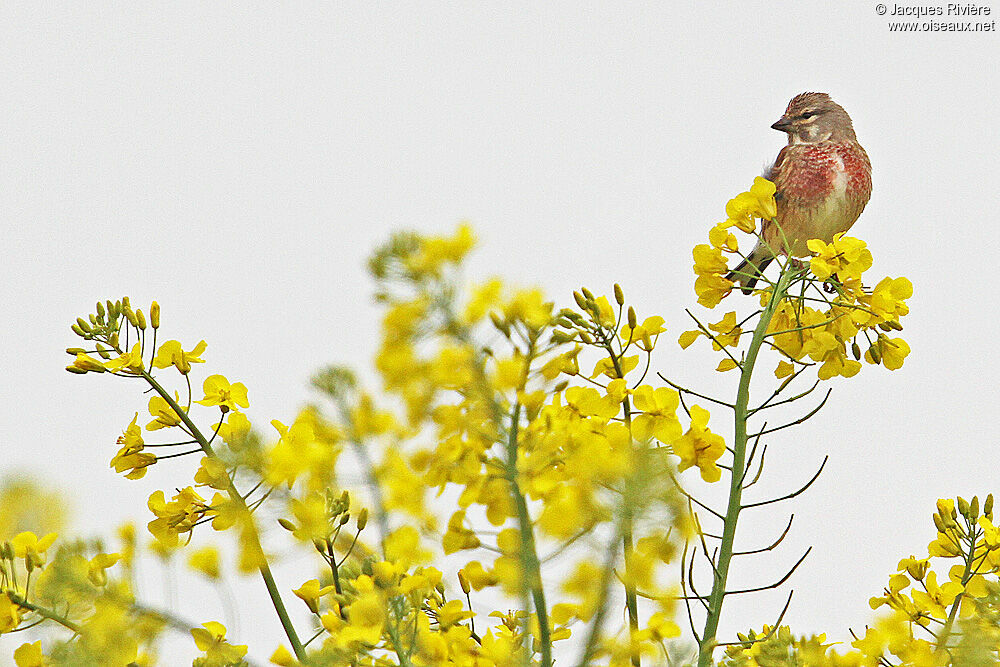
(619, 295)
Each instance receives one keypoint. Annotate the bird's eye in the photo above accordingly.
(808, 114)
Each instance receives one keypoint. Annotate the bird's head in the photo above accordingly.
(813, 117)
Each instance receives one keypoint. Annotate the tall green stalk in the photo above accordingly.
(237, 498)
(741, 414)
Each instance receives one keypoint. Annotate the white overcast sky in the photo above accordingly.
(238, 162)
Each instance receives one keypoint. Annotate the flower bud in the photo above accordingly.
(75, 351)
(632, 319)
(988, 507)
(141, 319)
(83, 324)
(586, 338)
(113, 309)
(319, 545)
(154, 315)
(113, 339)
(587, 293)
(78, 330)
(580, 301)
(561, 386)
(100, 309)
(130, 316)
(103, 352)
(974, 508)
(939, 523)
(286, 524)
(885, 326)
(93, 319)
(76, 370)
(344, 518)
(963, 506)
(619, 295)
(362, 519)
(463, 582)
(875, 354)
(856, 350)
(501, 325)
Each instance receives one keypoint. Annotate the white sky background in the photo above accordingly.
(238, 164)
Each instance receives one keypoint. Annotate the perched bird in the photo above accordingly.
(823, 180)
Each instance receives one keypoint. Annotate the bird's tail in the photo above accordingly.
(750, 269)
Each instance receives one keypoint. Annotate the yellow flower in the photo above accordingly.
(845, 256)
(711, 289)
(757, 203)
(458, 537)
(10, 614)
(891, 352)
(366, 618)
(131, 456)
(644, 335)
(171, 354)
(235, 430)
(27, 544)
(206, 561)
(700, 447)
(97, 566)
(218, 391)
(129, 362)
(659, 414)
(30, 655)
(180, 515)
(164, 415)
(606, 366)
(310, 593)
(218, 651)
(213, 473)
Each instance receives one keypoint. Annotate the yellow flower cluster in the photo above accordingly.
(848, 320)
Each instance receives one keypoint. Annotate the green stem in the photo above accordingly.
(532, 576)
(631, 599)
(43, 612)
(235, 497)
(741, 415)
(942, 637)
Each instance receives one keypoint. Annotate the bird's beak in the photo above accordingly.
(783, 124)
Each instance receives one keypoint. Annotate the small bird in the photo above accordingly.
(823, 179)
